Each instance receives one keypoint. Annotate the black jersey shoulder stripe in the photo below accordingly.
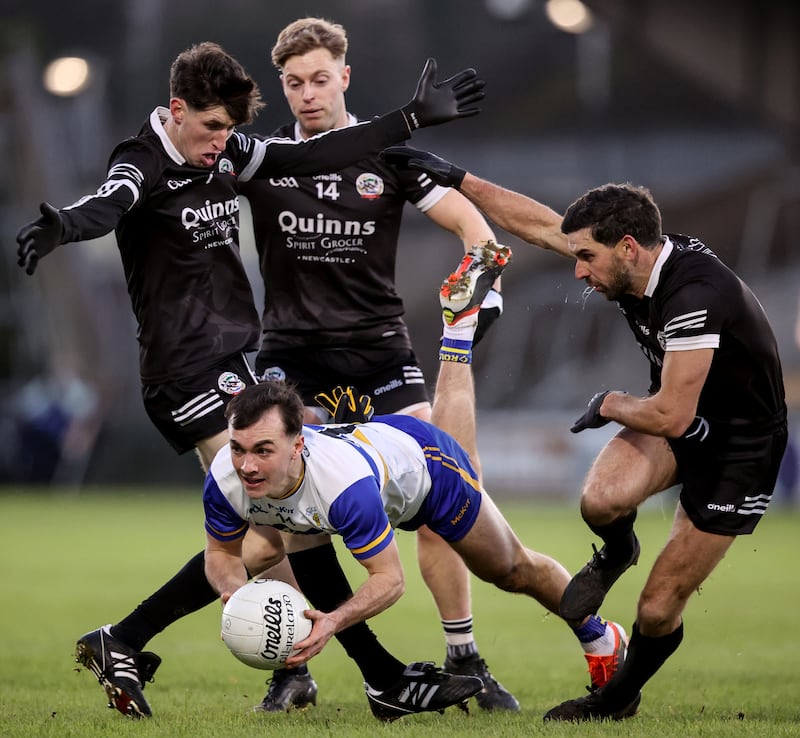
(126, 170)
(687, 321)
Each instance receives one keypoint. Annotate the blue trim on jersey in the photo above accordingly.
(222, 521)
(359, 518)
(452, 505)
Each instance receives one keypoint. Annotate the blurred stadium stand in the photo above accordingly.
(698, 101)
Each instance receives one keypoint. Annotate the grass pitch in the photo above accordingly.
(71, 562)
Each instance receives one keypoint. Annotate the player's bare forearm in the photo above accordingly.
(457, 214)
(373, 597)
(224, 567)
(518, 214)
(382, 588)
(670, 411)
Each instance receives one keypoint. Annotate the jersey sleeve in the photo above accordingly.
(358, 516)
(222, 521)
(419, 189)
(95, 215)
(325, 152)
(693, 316)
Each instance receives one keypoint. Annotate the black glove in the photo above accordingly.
(486, 318)
(439, 170)
(438, 102)
(344, 407)
(591, 418)
(39, 238)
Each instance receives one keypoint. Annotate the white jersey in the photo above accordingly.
(359, 481)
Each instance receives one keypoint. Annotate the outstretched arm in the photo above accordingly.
(434, 102)
(519, 215)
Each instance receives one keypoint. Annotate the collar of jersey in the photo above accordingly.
(157, 119)
(299, 482)
(655, 275)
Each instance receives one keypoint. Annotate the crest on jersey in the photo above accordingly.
(273, 374)
(226, 166)
(230, 383)
(369, 186)
(313, 513)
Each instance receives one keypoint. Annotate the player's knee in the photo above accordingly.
(658, 609)
(603, 502)
(510, 578)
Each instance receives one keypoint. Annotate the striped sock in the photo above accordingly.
(454, 350)
(459, 638)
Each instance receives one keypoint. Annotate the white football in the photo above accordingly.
(262, 622)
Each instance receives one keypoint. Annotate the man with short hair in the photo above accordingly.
(713, 421)
(171, 195)
(363, 480)
(327, 246)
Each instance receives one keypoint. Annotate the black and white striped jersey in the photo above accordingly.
(177, 229)
(327, 246)
(694, 301)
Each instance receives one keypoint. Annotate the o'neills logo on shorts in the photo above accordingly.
(230, 383)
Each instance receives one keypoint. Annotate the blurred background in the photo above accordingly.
(700, 102)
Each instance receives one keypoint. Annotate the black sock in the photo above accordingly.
(645, 657)
(323, 582)
(188, 591)
(618, 536)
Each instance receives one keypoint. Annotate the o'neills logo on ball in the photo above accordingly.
(279, 617)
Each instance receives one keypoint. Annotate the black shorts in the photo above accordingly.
(728, 479)
(188, 411)
(390, 375)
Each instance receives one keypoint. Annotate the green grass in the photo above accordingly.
(73, 562)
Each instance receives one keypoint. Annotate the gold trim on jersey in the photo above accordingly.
(299, 482)
(228, 535)
(386, 531)
(434, 453)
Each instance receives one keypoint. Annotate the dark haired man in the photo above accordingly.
(171, 195)
(363, 480)
(714, 420)
(327, 246)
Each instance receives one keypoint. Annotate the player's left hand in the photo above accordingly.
(439, 170)
(344, 406)
(592, 418)
(322, 630)
(439, 102)
(39, 237)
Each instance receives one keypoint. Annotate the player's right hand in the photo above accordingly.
(592, 418)
(39, 238)
(439, 170)
(439, 102)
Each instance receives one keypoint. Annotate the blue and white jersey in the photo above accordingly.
(360, 482)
